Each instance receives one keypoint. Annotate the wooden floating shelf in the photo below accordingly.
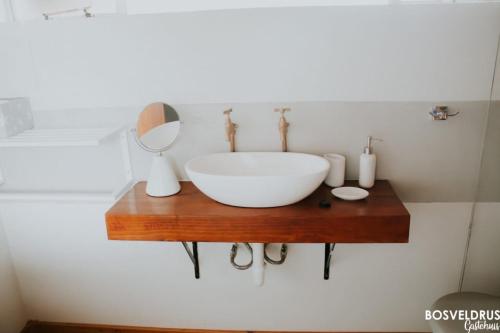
(190, 216)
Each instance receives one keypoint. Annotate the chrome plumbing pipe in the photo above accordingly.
(283, 254)
(234, 253)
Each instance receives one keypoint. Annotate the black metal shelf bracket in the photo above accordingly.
(328, 258)
(194, 257)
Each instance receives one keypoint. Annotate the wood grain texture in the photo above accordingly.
(46, 327)
(192, 216)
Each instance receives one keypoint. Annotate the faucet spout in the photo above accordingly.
(283, 127)
(230, 130)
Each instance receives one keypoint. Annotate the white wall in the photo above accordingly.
(158, 6)
(12, 314)
(88, 71)
(100, 72)
(3, 13)
(339, 127)
(393, 53)
(33, 9)
(483, 272)
(15, 62)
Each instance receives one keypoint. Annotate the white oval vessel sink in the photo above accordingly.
(257, 179)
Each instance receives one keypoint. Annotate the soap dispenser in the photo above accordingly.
(367, 165)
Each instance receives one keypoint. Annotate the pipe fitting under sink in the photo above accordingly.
(258, 260)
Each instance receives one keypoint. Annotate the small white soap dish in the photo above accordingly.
(350, 193)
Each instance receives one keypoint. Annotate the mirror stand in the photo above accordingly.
(162, 180)
(157, 128)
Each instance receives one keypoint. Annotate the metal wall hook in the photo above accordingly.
(441, 112)
(234, 253)
(87, 13)
(283, 253)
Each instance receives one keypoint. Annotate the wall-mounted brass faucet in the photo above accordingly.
(230, 130)
(283, 127)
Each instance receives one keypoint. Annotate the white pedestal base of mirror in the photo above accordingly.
(162, 180)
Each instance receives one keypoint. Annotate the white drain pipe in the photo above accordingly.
(258, 263)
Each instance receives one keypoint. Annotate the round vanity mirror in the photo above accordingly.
(157, 128)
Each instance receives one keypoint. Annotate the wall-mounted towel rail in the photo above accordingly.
(85, 10)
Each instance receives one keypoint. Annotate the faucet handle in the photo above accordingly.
(227, 113)
(282, 110)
